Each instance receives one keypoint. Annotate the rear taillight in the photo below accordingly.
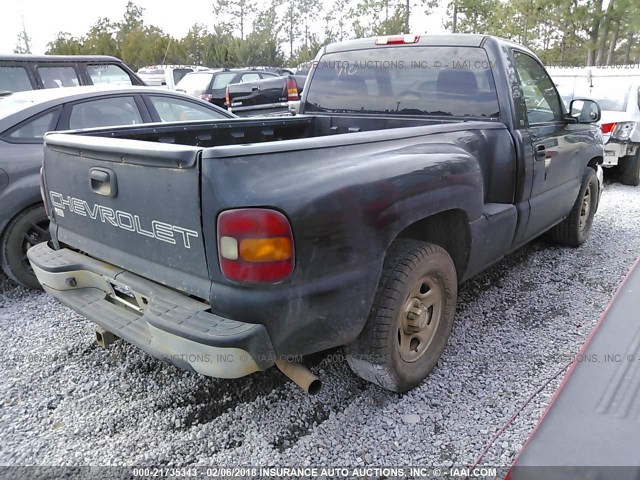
(607, 127)
(623, 130)
(255, 245)
(43, 192)
(207, 97)
(292, 90)
(227, 99)
(397, 39)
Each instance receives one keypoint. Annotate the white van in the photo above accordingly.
(617, 91)
(166, 75)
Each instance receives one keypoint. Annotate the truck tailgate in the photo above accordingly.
(131, 204)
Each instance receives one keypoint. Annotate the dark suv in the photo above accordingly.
(32, 72)
(211, 85)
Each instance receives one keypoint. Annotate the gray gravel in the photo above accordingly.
(64, 401)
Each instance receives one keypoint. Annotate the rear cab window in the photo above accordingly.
(431, 80)
(14, 78)
(221, 80)
(250, 77)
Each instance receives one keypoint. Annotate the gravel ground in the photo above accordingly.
(64, 401)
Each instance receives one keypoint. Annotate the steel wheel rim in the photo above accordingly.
(420, 316)
(37, 232)
(585, 208)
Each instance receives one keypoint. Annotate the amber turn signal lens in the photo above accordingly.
(273, 249)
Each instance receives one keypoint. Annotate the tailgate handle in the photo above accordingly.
(103, 182)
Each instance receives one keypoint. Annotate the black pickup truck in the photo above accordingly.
(229, 246)
(269, 96)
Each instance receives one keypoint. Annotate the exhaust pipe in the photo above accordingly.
(301, 376)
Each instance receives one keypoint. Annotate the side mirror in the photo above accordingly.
(584, 110)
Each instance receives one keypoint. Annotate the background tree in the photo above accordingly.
(101, 39)
(23, 44)
(64, 44)
(336, 20)
(291, 24)
(237, 13)
(475, 16)
(289, 32)
(194, 45)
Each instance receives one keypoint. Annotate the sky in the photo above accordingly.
(43, 19)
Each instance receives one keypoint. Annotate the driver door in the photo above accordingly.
(552, 144)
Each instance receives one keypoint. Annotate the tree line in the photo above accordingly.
(289, 32)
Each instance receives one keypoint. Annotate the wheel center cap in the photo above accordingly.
(416, 316)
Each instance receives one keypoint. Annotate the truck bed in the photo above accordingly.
(590, 429)
(252, 130)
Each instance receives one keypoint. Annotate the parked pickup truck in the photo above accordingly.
(264, 97)
(226, 247)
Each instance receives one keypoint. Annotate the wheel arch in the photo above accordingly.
(595, 161)
(450, 230)
(26, 204)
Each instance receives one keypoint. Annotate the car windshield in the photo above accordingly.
(608, 96)
(439, 81)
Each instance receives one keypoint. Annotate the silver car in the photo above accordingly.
(617, 92)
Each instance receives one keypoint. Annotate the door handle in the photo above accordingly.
(103, 182)
(541, 152)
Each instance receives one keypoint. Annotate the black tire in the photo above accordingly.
(28, 228)
(378, 355)
(630, 169)
(574, 230)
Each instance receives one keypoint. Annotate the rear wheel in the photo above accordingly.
(630, 169)
(574, 229)
(411, 318)
(28, 228)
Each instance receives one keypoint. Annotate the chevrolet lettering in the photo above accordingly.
(162, 231)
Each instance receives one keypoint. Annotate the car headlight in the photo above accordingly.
(623, 130)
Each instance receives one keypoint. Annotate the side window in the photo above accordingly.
(178, 110)
(56, 77)
(108, 73)
(638, 98)
(106, 112)
(540, 95)
(178, 73)
(14, 79)
(250, 77)
(33, 130)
